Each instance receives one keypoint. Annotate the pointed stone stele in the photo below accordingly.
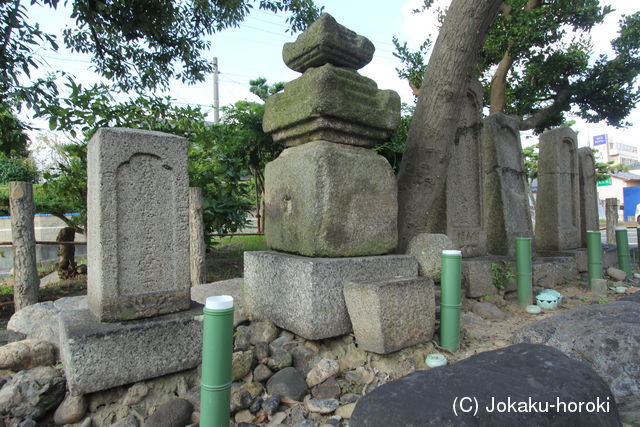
(331, 101)
(327, 42)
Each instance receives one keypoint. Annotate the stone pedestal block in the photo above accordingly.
(332, 104)
(330, 200)
(304, 295)
(609, 257)
(98, 356)
(138, 236)
(391, 314)
(479, 274)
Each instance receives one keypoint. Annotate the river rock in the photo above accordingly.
(241, 364)
(287, 382)
(32, 393)
(175, 413)
(322, 406)
(325, 368)
(71, 410)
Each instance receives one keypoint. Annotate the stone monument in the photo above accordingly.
(589, 219)
(557, 202)
(330, 201)
(505, 196)
(140, 323)
(460, 214)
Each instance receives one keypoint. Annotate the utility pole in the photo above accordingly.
(216, 101)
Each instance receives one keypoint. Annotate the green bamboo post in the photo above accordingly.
(450, 299)
(622, 242)
(594, 256)
(217, 346)
(524, 275)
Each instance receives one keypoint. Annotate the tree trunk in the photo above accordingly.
(25, 272)
(433, 128)
(197, 250)
(66, 253)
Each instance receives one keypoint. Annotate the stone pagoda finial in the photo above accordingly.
(327, 42)
(331, 101)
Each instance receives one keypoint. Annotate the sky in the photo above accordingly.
(255, 50)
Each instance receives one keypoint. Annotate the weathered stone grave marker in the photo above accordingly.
(138, 237)
(588, 194)
(557, 202)
(460, 214)
(140, 323)
(505, 197)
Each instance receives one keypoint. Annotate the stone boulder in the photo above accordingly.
(521, 373)
(634, 297)
(40, 321)
(606, 337)
(26, 354)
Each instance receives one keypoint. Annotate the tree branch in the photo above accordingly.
(561, 103)
(11, 24)
(498, 92)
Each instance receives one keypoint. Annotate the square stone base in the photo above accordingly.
(98, 356)
(304, 295)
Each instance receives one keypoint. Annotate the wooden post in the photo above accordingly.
(611, 211)
(196, 237)
(25, 272)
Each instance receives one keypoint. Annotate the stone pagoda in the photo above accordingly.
(330, 201)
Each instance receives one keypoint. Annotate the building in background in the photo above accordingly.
(609, 150)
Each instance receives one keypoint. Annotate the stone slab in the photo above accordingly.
(330, 200)
(138, 237)
(609, 257)
(505, 197)
(460, 214)
(99, 355)
(393, 314)
(518, 373)
(478, 275)
(327, 42)
(332, 104)
(305, 295)
(558, 196)
(233, 287)
(589, 218)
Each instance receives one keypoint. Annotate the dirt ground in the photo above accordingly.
(493, 334)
